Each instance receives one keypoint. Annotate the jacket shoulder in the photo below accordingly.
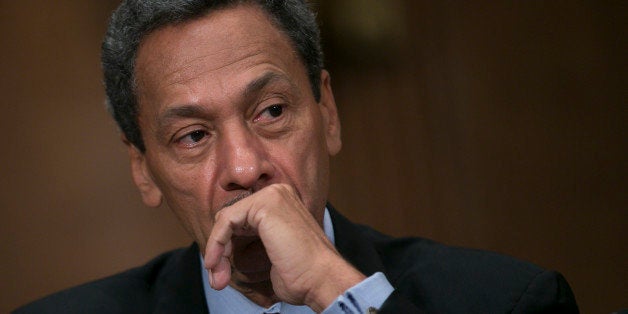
(450, 279)
(128, 292)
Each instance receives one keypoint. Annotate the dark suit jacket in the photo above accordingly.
(428, 278)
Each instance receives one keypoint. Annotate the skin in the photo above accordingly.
(239, 148)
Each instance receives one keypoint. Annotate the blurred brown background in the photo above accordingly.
(497, 125)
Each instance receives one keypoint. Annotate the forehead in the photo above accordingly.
(218, 46)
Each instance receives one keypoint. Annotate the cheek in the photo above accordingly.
(306, 164)
(182, 180)
(188, 188)
(189, 192)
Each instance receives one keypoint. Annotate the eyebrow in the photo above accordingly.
(174, 113)
(266, 79)
(184, 111)
(198, 111)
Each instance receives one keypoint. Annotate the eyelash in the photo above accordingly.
(191, 134)
(270, 109)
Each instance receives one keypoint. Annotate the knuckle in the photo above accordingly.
(219, 215)
(260, 214)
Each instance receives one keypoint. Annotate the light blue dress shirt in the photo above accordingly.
(371, 292)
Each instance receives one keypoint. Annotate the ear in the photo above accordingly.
(329, 112)
(151, 194)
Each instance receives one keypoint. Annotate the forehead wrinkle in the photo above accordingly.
(190, 70)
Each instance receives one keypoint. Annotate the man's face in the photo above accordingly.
(225, 109)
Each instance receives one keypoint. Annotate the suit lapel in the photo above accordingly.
(354, 245)
(178, 288)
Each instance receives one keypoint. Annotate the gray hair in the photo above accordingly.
(134, 19)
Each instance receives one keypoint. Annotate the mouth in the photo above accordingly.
(236, 199)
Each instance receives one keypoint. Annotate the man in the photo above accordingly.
(230, 118)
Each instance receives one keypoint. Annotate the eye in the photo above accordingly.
(275, 110)
(270, 112)
(192, 138)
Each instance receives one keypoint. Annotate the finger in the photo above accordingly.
(220, 236)
(221, 274)
(219, 245)
(219, 271)
(214, 251)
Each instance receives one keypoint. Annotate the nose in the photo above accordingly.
(243, 160)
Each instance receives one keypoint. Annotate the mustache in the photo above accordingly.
(236, 199)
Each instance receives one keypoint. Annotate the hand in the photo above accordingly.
(305, 266)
